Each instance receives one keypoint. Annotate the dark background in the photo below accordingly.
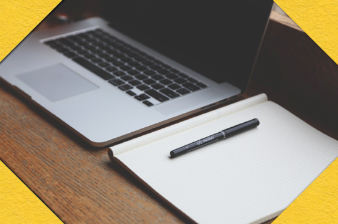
(214, 38)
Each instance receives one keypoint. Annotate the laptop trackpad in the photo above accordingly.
(56, 82)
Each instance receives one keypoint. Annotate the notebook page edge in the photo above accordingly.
(187, 124)
(268, 217)
(125, 167)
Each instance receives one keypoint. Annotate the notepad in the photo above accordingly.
(248, 178)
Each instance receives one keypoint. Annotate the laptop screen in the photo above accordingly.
(219, 39)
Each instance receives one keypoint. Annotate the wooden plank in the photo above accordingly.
(76, 181)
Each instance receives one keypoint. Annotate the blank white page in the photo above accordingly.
(248, 178)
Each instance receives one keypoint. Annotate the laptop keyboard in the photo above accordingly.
(138, 74)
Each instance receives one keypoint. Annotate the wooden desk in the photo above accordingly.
(78, 182)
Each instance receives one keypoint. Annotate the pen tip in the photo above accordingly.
(172, 154)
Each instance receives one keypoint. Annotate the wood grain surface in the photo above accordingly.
(76, 181)
(80, 184)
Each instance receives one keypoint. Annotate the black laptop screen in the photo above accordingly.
(219, 39)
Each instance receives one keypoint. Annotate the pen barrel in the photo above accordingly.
(241, 127)
(197, 144)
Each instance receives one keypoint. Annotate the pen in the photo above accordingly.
(226, 133)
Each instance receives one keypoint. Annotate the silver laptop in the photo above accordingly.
(142, 65)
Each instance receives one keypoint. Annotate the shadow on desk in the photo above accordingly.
(296, 68)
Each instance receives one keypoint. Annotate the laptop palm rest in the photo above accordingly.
(56, 82)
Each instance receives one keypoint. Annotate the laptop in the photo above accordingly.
(143, 64)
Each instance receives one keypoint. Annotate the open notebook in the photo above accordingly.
(248, 178)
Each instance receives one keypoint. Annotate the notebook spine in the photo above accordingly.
(186, 125)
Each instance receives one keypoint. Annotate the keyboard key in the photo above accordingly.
(126, 78)
(72, 38)
(140, 77)
(83, 35)
(69, 54)
(103, 64)
(62, 41)
(149, 81)
(133, 72)
(183, 91)
(142, 87)
(165, 66)
(157, 86)
(125, 87)
(82, 52)
(146, 102)
(94, 50)
(174, 86)
(131, 54)
(88, 56)
(116, 63)
(125, 68)
(192, 80)
(61, 49)
(141, 68)
(171, 76)
(116, 82)
(202, 85)
(110, 51)
(163, 71)
(102, 45)
(142, 97)
(107, 58)
(157, 62)
(149, 72)
(131, 93)
(139, 58)
(96, 60)
(93, 68)
(85, 46)
(102, 55)
(75, 47)
(117, 55)
(155, 67)
(133, 63)
(125, 59)
(157, 77)
(165, 81)
(156, 95)
(147, 63)
(182, 75)
(119, 73)
(191, 86)
(134, 82)
(169, 93)
(180, 81)
(111, 69)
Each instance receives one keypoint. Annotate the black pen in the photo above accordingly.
(226, 133)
